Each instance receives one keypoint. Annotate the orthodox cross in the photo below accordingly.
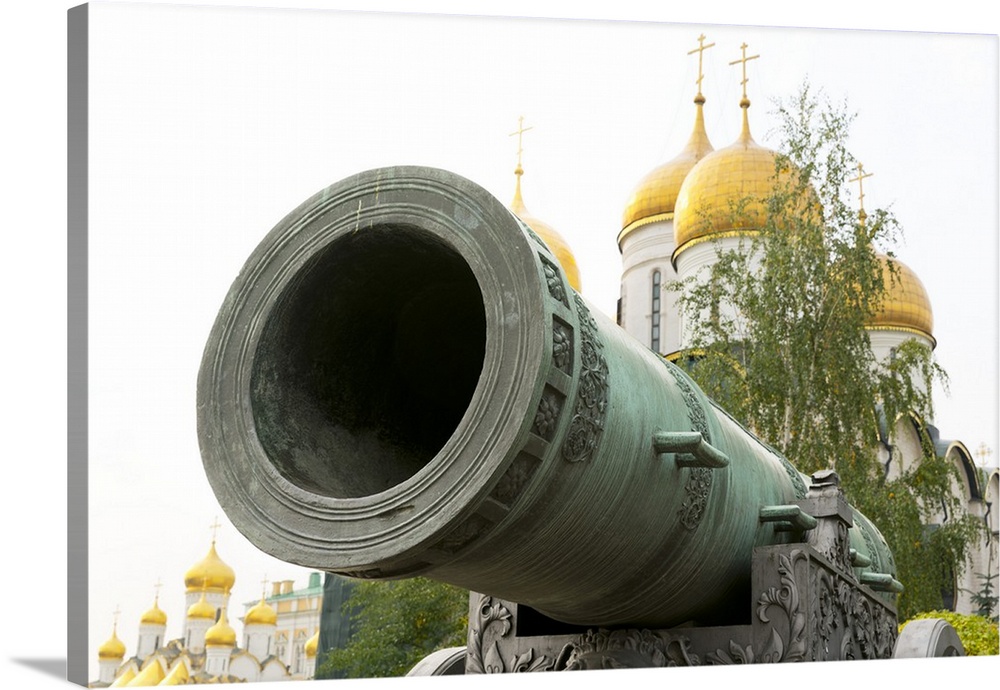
(860, 179)
(745, 60)
(215, 528)
(116, 613)
(521, 129)
(701, 51)
(983, 452)
(263, 587)
(157, 587)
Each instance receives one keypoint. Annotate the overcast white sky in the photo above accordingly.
(209, 124)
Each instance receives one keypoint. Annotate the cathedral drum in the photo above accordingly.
(401, 382)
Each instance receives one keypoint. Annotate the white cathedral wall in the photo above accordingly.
(217, 660)
(965, 586)
(151, 638)
(274, 671)
(969, 583)
(259, 640)
(645, 250)
(106, 670)
(194, 635)
(696, 261)
(245, 666)
(991, 550)
(906, 448)
(992, 494)
(885, 341)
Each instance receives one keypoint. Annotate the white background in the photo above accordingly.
(208, 125)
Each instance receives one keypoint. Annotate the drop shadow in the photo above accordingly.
(51, 667)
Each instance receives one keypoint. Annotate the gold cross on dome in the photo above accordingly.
(521, 129)
(215, 528)
(157, 586)
(701, 52)
(263, 586)
(860, 179)
(745, 60)
(116, 613)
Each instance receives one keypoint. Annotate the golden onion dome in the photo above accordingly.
(210, 573)
(312, 645)
(113, 648)
(905, 306)
(744, 173)
(553, 240)
(655, 197)
(221, 634)
(155, 615)
(201, 609)
(261, 613)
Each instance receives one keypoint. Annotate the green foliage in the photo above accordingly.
(986, 598)
(978, 635)
(396, 624)
(779, 328)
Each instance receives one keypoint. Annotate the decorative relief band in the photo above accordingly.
(554, 281)
(592, 394)
(547, 416)
(625, 648)
(517, 476)
(793, 474)
(532, 234)
(699, 482)
(465, 533)
(491, 623)
(562, 345)
(877, 565)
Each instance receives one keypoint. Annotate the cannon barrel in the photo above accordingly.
(401, 382)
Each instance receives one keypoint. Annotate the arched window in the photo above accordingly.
(654, 324)
(948, 598)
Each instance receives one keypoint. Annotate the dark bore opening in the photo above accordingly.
(368, 361)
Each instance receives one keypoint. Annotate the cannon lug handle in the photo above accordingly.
(858, 560)
(789, 518)
(881, 582)
(691, 448)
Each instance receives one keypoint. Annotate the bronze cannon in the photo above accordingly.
(401, 382)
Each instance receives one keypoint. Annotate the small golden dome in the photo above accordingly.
(113, 648)
(655, 197)
(742, 173)
(262, 613)
(201, 609)
(210, 573)
(155, 615)
(553, 240)
(221, 634)
(905, 306)
(312, 645)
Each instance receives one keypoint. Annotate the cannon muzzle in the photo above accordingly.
(401, 382)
